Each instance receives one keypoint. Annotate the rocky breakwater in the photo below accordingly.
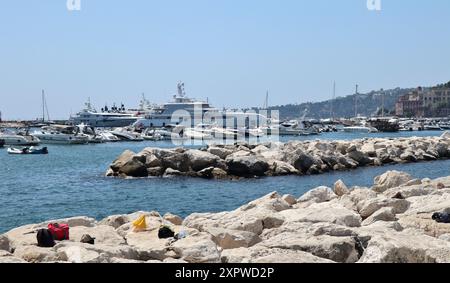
(390, 222)
(243, 160)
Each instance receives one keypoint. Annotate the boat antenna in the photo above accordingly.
(266, 101)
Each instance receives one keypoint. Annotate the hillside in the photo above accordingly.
(343, 107)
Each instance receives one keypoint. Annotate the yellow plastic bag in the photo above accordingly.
(140, 224)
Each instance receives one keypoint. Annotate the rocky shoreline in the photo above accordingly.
(390, 222)
(243, 160)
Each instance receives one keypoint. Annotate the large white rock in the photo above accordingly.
(103, 234)
(340, 188)
(196, 248)
(98, 253)
(383, 214)
(232, 239)
(35, 254)
(323, 212)
(318, 195)
(401, 247)
(390, 179)
(338, 249)
(264, 255)
(252, 217)
(370, 206)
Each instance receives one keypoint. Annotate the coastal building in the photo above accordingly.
(433, 102)
(411, 104)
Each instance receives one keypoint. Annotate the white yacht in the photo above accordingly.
(19, 138)
(360, 129)
(107, 118)
(189, 112)
(60, 134)
(107, 136)
(127, 134)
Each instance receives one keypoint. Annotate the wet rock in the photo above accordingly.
(246, 166)
(200, 160)
(125, 157)
(220, 152)
(134, 168)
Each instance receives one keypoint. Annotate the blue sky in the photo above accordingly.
(230, 51)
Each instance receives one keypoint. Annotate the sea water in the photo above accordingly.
(70, 181)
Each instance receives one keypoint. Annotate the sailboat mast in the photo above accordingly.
(332, 101)
(356, 101)
(43, 107)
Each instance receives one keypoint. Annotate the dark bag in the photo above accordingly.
(87, 239)
(45, 238)
(165, 232)
(441, 217)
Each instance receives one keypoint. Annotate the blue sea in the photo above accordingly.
(70, 181)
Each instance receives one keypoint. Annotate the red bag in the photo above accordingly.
(59, 231)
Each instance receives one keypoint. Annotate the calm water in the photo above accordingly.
(69, 181)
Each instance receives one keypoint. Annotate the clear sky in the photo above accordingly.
(230, 51)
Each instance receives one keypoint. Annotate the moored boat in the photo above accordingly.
(60, 134)
(28, 150)
(21, 138)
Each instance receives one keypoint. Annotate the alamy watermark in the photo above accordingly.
(73, 5)
(374, 5)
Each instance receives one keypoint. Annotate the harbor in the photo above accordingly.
(223, 132)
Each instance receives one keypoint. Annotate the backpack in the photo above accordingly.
(60, 231)
(441, 217)
(45, 238)
(165, 232)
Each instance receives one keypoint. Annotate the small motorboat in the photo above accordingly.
(28, 150)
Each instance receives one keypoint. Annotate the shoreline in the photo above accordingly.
(390, 222)
(310, 157)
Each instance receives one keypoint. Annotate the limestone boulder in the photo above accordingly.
(323, 212)
(369, 207)
(318, 195)
(35, 254)
(274, 255)
(196, 248)
(401, 247)
(340, 188)
(232, 239)
(172, 218)
(390, 179)
(383, 214)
